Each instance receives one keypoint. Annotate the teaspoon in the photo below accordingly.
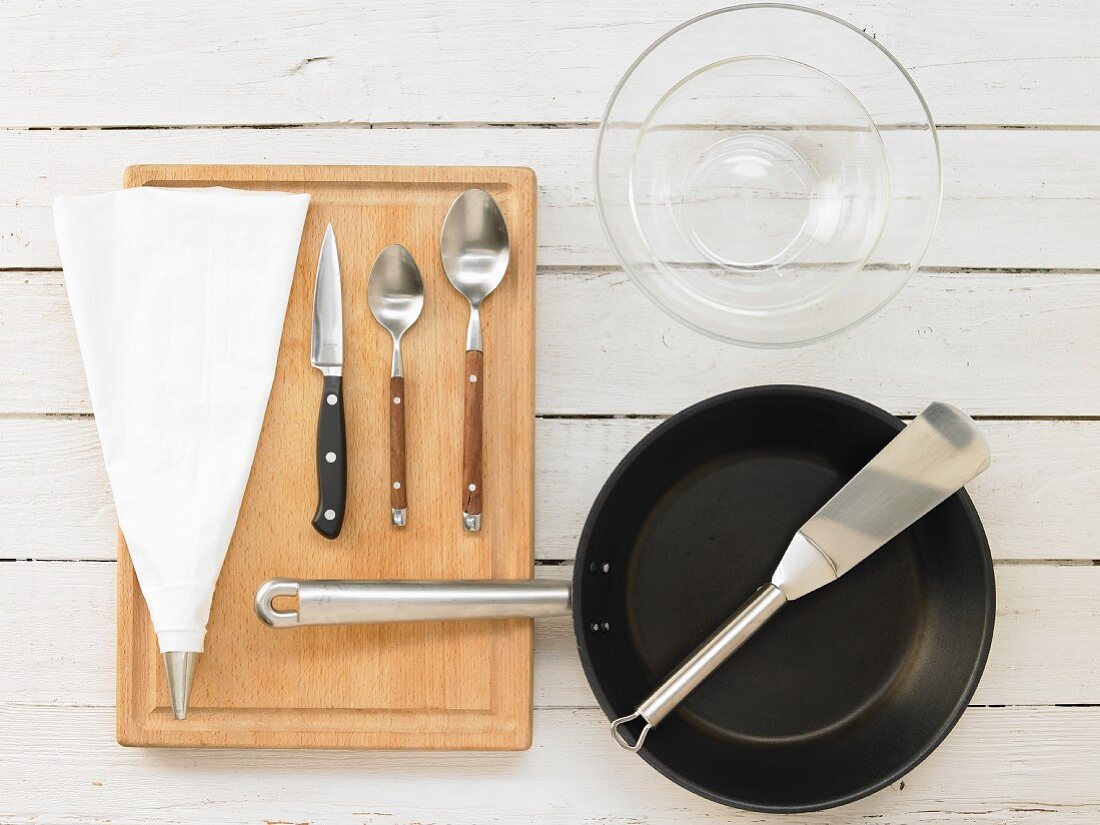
(395, 294)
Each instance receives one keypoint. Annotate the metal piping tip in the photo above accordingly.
(179, 667)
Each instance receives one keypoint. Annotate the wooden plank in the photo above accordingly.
(55, 490)
(1033, 765)
(1044, 648)
(1037, 500)
(204, 62)
(1012, 198)
(995, 344)
(380, 687)
(36, 325)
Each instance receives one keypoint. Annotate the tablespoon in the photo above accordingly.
(395, 294)
(475, 249)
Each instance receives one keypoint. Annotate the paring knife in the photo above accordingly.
(327, 355)
(926, 463)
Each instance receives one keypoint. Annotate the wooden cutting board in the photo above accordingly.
(460, 685)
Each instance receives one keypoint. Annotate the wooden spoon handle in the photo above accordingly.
(398, 496)
(472, 435)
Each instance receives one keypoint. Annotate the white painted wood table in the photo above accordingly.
(1003, 320)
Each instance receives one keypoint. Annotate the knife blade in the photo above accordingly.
(327, 355)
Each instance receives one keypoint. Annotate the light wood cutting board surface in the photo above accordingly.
(463, 685)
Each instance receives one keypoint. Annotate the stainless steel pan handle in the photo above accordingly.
(339, 601)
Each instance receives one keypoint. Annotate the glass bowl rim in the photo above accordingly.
(605, 118)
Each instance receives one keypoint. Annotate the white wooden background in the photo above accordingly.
(1003, 320)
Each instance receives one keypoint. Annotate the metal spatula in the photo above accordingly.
(931, 459)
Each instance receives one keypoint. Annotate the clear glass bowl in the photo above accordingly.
(768, 174)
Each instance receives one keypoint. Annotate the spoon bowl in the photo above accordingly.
(395, 290)
(474, 245)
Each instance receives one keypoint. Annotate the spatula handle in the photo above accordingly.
(471, 442)
(698, 666)
(331, 460)
(398, 496)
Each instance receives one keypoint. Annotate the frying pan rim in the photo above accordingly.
(681, 419)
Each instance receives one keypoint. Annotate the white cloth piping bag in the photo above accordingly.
(179, 298)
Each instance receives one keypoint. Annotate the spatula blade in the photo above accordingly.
(926, 463)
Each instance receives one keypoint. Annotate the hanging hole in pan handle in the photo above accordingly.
(267, 593)
(625, 723)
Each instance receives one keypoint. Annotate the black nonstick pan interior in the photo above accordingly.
(842, 692)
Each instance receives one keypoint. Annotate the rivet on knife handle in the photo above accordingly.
(471, 442)
(331, 460)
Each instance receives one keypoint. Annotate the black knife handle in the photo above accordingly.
(332, 468)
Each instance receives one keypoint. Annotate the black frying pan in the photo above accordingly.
(841, 693)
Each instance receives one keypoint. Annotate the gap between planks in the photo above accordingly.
(78, 416)
(467, 124)
(104, 706)
(609, 269)
(568, 562)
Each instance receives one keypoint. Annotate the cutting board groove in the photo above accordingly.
(460, 685)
